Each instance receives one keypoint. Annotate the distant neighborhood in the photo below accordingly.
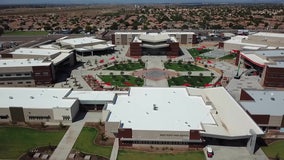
(135, 17)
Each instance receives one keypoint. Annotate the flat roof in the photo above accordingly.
(90, 97)
(36, 51)
(255, 59)
(154, 37)
(167, 109)
(269, 34)
(229, 115)
(238, 40)
(78, 41)
(277, 65)
(267, 102)
(38, 98)
(23, 63)
(267, 53)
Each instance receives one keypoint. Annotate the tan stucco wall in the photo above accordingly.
(37, 112)
(3, 112)
(166, 135)
(111, 127)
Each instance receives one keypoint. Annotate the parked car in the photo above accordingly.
(210, 152)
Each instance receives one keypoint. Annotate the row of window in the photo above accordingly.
(41, 73)
(4, 83)
(17, 74)
(4, 116)
(39, 117)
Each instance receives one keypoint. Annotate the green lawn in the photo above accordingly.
(275, 148)
(85, 143)
(26, 33)
(194, 81)
(196, 53)
(135, 155)
(183, 67)
(122, 80)
(15, 141)
(228, 56)
(127, 67)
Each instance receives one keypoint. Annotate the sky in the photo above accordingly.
(129, 1)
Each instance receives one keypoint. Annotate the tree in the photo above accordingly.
(189, 73)
(1, 31)
(114, 26)
(201, 74)
(184, 26)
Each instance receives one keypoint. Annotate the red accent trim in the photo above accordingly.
(258, 64)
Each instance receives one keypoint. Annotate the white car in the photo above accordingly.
(209, 152)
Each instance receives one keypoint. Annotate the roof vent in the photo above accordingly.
(32, 97)
(272, 98)
(11, 97)
(155, 108)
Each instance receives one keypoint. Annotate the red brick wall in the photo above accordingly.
(245, 96)
(135, 49)
(273, 77)
(40, 77)
(124, 133)
(260, 119)
(113, 39)
(6, 55)
(194, 135)
(173, 49)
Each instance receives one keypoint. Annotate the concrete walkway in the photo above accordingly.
(66, 144)
(155, 62)
(114, 150)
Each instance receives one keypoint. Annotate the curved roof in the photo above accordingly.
(154, 38)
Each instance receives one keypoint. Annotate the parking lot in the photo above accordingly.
(234, 153)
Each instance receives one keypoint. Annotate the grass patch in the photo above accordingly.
(122, 80)
(196, 53)
(194, 81)
(26, 33)
(135, 155)
(127, 66)
(275, 149)
(183, 67)
(85, 143)
(15, 141)
(228, 56)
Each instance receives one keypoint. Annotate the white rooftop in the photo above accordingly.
(35, 98)
(154, 37)
(267, 53)
(36, 51)
(79, 41)
(267, 102)
(269, 34)
(255, 59)
(91, 97)
(164, 32)
(230, 116)
(23, 63)
(277, 65)
(167, 109)
(238, 40)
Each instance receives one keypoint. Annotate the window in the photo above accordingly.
(8, 75)
(20, 82)
(4, 116)
(1, 75)
(39, 117)
(2, 83)
(9, 83)
(27, 74)
(66, 118)
(18, 74)
(28, 82)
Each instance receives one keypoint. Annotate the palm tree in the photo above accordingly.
(189, 73)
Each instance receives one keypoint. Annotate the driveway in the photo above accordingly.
(234, 153)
